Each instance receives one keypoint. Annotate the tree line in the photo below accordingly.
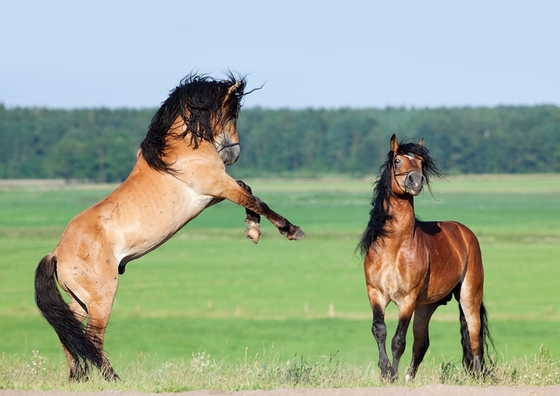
(101, 144)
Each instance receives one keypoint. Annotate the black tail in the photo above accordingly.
(485, 339)
(70, 330)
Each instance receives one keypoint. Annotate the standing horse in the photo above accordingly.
(179, 171)
(419, 265)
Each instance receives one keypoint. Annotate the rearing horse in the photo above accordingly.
(179, 171)
(419, 265)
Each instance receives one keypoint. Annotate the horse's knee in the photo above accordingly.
(399, 340)
(399, 344)
(78, 308)
(379, 330)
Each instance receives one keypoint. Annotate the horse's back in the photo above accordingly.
(451, 233)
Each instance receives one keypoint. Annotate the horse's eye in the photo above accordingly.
(397, 161)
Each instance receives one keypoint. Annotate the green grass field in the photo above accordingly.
(209, 290)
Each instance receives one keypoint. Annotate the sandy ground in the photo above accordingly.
(430, 390)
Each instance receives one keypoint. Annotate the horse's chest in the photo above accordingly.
(396, 275)
(202, 201)
(394, 286)
(195, 202)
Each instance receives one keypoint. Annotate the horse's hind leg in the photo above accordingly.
(472, 314)
(77, 372)
(471, 321)
(422, 316)
(92, 295)
(99, 312)
(471, 328)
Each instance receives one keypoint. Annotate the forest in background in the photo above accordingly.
(100, 145)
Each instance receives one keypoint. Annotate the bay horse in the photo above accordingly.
(179, 171)
(419, 265)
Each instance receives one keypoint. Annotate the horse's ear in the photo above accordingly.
(233, 89)
(421, 142)
(394, 143)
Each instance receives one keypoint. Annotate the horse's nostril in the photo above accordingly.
(414, 180)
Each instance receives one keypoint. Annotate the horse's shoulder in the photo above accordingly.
(458, 227)
(429, 227)
(447, 230)
(433, 227)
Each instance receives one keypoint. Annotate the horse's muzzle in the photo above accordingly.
(230, 153)
(413, 182)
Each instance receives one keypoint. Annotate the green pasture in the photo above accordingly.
(210, 290)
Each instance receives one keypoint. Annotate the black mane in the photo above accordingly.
(196, 100)
(379, 214)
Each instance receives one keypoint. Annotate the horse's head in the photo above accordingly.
(226, 139)
(199, 109)
(407, 167)
(406, 171)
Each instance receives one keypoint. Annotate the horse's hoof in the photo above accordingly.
(253, 233)
(297, 235)
(111, 377)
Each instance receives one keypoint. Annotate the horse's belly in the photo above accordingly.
(439, 284)
(139, 229)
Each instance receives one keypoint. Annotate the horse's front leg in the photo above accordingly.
(379, 331)
(422, 316)
(252, 219)
(243, 197)
(398, 343)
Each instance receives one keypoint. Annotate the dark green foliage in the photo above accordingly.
(101, 144)
(97, 145)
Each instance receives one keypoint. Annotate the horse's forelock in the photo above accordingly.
(205, 101)
(429, 166)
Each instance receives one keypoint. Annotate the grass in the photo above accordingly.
(149, 374)
(297, 308)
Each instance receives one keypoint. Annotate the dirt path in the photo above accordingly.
(430, 390)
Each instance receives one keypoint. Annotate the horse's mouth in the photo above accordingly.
(414, 192)
(413, 182)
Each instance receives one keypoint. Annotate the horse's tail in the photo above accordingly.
(484, 340)
(69, 329)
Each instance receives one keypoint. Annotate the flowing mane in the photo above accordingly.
(195, 99)
(379, 214)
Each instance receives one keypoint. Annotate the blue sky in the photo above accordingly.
(74, 54)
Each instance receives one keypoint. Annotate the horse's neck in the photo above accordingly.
(180, 150)
(402, 211)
